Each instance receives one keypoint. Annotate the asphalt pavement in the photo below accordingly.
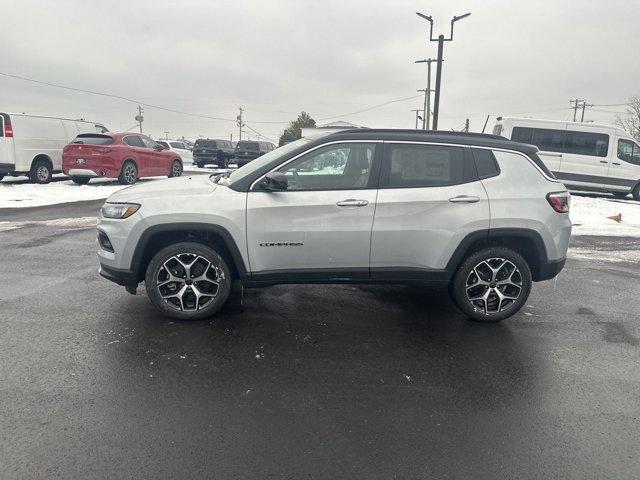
(318, 382)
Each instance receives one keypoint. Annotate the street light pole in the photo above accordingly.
(441, 39)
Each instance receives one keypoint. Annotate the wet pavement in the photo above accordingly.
(310, 381)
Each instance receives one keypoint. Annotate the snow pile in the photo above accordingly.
(589, 216)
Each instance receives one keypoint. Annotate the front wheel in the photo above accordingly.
(128, 174)
(188, 281)
(80, 180)
(176, 169)
(492, 284)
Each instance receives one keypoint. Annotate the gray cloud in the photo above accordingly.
(278, 57)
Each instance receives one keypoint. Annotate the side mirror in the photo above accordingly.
(274, 182)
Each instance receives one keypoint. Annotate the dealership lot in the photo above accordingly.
(342, 381)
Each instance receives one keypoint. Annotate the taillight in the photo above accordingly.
(560, 201)
(101, 150)
(8, 130)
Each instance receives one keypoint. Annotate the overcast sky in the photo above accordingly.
(329, 58)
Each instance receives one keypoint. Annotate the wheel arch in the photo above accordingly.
(526, 242)
(154, 238)
(42, 156)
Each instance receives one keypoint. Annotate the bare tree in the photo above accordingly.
(630, 119)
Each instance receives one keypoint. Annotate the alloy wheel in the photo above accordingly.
(130, 173)
(493, 285)
(176, 169)
(188, 281)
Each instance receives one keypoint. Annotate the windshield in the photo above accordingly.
(265, 159)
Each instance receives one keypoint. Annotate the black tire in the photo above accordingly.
(484, 262)
(1, 176)
(40, 171)
(200, 165)
(80, 180)
(620, 194)
(128, 173)
(176, 169)
(636, 193)
(195, 255)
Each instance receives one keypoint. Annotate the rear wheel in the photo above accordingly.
(492, 284)
(40, 171)
(80, 180)
(200, 165)
(188, 281)
(1, 176)
(176, 169)
(128, 174)
(636, 193)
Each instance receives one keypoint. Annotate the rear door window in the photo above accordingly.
(148, 143)
(133, 141)
(410, 165)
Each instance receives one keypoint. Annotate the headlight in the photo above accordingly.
(119, 210)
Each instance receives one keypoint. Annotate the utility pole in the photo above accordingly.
(166, 135)
(576, 105)
(466, 125)
(417, 116)
(427, 94)
(584, 105)
(441, 39)
(239, 123)
(139, 118)
(231, 137)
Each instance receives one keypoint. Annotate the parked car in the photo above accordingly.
(212, 152)
(32, 144)
(180, 147)
(478, 213)
(585, 156)
(125, 156)
(247, 151)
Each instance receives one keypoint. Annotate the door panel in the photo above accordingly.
(586, 153)
(624, 170)
(419, 228)
(308, 230)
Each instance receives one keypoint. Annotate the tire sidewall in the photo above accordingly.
(458, 286)
(187, 247)
(34, 172)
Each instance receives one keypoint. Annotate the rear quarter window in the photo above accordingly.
(486, 163)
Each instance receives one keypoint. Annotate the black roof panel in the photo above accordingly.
(437, 136)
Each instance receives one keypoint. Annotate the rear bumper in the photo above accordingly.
(126, 278)
(551, 269)
(82, 172)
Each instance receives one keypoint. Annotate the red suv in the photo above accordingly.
(125, 156)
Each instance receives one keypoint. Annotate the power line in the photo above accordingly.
(370, 108)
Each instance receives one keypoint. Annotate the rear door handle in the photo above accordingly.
(615, 163)
(605, 161)
(351, 202)
(464, 199)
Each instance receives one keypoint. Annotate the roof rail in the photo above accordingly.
(420, 132)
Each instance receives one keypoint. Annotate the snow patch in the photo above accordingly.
(589, 216)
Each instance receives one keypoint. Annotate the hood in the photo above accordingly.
(171, 187)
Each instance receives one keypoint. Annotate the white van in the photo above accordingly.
(585, 156)
(32, 144)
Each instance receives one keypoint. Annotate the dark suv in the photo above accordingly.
(247, 151)
(216, 152)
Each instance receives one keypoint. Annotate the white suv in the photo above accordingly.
(477, 213)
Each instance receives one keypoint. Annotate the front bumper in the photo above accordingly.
(126, 278)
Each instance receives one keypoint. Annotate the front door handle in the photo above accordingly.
(604, 161)
(615, 163)
(351, 202)
(464, 199)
